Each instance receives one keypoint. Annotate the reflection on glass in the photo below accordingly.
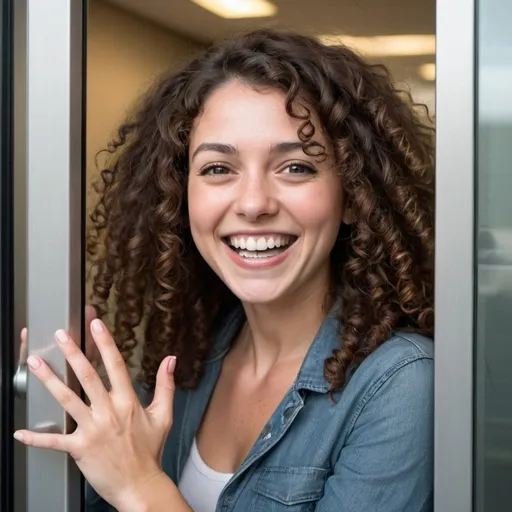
(493, 425)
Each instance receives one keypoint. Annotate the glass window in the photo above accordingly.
(493, 361)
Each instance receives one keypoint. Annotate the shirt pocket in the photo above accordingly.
(289, 489)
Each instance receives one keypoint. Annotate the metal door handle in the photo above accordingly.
(20, 381)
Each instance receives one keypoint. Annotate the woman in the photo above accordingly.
(267, 219)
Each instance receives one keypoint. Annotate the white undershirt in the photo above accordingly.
(201, 485)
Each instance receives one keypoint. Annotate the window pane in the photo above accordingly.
(493, 428)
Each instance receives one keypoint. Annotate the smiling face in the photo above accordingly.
(263, 214)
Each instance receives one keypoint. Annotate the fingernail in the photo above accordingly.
(171, 365)
(61, 336)
(97, 325)
(18, 436)
(34, 362)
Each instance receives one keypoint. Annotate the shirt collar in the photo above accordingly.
(311, 373)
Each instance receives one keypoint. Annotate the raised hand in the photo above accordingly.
(117, 443)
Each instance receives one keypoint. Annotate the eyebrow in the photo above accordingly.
(228, 149)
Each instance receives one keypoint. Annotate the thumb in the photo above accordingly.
(162, 404)
(23, 347)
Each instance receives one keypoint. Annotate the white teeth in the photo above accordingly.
(251, 244)
(258, 254)
(259, 244)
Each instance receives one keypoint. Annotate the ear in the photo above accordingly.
(348, 216)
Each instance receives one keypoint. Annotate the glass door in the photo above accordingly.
(41, 172)
(473, 467)
(493, 348)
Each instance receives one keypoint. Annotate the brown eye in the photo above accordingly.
(214, 170)
(299, 168)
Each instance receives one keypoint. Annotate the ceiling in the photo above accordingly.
(352, 17)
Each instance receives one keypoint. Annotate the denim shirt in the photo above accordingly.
(368, 450)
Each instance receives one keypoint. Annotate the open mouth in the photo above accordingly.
(260, 246)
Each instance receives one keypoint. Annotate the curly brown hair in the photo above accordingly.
(140, 243)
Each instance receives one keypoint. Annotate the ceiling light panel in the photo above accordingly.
(237, 9)
(386, 46)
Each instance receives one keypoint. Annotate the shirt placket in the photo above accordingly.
(271, 434)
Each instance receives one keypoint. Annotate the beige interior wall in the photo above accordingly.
(124, 55)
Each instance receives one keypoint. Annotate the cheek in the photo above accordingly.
(321, 208)
(197, 206)
(205, 209)
(201, 226)
(199, 219)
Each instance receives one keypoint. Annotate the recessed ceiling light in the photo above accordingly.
(233, 9)
(427, 71)
(386, 46)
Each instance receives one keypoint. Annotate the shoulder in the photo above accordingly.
(401, 348)
(398, 376)
(388, 406)
(399, 351)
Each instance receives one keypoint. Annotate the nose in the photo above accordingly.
(256, 198)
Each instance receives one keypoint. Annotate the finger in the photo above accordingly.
(113, 361)
(84, 370)
(91, 350)
(90, 314)
(162, 404)
(58, 442)
(23, 346)
(68, 399)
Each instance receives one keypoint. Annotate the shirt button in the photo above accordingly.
(266, 433)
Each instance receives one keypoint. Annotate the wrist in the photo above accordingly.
(135, 497)
(157, 493)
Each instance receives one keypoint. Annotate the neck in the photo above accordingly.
(283, 330)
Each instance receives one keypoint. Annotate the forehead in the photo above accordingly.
(238, 113)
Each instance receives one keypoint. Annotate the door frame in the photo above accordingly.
(55, 213)
(6, 255)
(455, 250)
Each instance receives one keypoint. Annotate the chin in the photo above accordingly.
(262, 292)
